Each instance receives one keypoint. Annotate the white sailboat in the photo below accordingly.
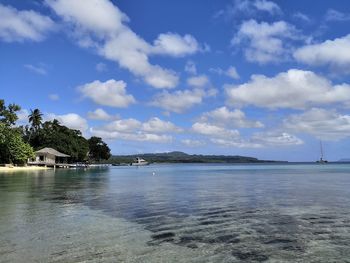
(139, 162)
(322, 160)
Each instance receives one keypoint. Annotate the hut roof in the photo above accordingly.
(52, 152)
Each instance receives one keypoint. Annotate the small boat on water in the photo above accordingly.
(322, 160)
(139, 162)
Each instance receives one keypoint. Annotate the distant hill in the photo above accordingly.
(345, 160)
(181, 157)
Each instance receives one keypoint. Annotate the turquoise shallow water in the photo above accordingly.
(177, 213)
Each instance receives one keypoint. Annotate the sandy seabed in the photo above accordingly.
(22, 168)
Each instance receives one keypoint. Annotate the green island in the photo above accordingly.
(18, 143)
(181, 157)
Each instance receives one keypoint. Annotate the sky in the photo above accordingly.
(260, 78)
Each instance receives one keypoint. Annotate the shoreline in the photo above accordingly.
(23, 168)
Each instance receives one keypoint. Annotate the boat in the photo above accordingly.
(139, 162)
(322, 160)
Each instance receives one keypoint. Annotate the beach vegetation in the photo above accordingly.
(98, 149)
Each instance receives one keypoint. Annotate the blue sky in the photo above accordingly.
(268, 79)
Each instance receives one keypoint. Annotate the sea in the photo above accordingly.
(177, 213)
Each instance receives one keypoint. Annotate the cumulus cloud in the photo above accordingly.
(181, 100)
(214, 130)
(192, 143)
(248, 8)
(101, 25)
(220, 134)
(190, 67)
(154, 130)
(333, 53)
(267, 6)
(22, 116)
(322, 123)
(175, 45)
(260, 140)
(101, 115)
(296, 89)
(110, 93)
(275, 139)
(198, 81)
(224, 117)
(71, 120)
(156, 125)
(265, 42)
(18, 26)
(230, 72)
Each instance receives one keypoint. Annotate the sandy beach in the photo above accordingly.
(22, 168)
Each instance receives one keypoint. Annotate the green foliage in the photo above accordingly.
(98, 149)
(180, 157)
(12, 147)
(68, 141)
(35, 119)
(8, 114)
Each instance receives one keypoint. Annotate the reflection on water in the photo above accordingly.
(183, 213)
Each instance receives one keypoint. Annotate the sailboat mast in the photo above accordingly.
(321, 148)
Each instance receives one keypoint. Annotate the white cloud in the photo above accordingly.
(198, 81)
(192, 143)
(54, 97)
(180, 100)
(100, 114)
(296, 89)
(190, 67)
(101, 25)
(334, 15)
(213, 130)
(17, 26)
(175, 45)
(334, 53)
(124, 125)
(22, 116)
(264, 42)
(71, 120)
(238, 143)
(131, 129)
(268, 6)
(248, 8)
(137, 136)
(110, 93)
(98, 16)
(302, 16)
(101, 67)
(230, 72)
(156, 125)
(322, 123)
(275, 139)
(36, 69)
(225, 118)
(260, 140)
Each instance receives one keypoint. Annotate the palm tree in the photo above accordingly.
(35, 118)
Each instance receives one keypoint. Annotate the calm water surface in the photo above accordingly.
(182, 213)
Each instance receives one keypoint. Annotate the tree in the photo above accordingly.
(53, 134)
(8, 114)
(12, 147)
(35, 119)
(98, 149)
